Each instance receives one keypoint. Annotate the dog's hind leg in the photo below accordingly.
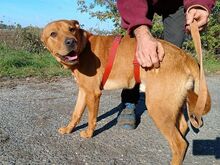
(165, 119)
(182, 124)
(92, 101)
(77, 113)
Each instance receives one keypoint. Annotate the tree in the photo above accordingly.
(109, 12)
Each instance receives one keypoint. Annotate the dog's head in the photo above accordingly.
(65, 40)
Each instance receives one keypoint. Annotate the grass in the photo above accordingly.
(21, 64)
(211, 63)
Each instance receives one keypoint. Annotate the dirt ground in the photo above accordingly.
(31, 111)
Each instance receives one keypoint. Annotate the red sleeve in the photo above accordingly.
(133, 13)
(208, 4)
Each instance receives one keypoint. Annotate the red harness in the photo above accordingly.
(111, 58)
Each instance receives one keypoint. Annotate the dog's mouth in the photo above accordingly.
(70, 58)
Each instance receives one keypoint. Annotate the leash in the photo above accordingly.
(111, 58)
(196, 116)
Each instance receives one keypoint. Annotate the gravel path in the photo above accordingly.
(32, 111)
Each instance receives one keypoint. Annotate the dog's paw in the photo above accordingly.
(64, 130)
(86, 134)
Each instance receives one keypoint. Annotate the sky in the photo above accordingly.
(40, 12)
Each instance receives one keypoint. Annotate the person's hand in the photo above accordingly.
(149, 51)
(199, 14)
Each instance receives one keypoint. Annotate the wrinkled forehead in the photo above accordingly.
(57, 26)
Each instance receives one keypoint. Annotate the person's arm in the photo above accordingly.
(133, 14)
(149, 51)
(206, 4)
(134, 18)
(198, 10)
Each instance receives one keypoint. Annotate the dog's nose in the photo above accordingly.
(70, 42)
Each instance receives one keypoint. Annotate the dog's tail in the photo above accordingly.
(197, 106)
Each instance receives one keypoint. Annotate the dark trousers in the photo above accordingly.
(174, 32)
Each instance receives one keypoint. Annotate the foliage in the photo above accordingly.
(109, 13)
(211, 37)
(20, 63)
(30, 39)
(27, 38)
(157, 29)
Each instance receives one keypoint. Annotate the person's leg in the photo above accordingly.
(133, 101)
(130, 95)
(127, 118)
(174, 27)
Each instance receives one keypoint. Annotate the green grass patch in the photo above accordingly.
(21, 64)
(211, 63)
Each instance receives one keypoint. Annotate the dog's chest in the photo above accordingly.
(74, 76)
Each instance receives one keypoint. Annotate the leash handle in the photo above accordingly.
(196, 116)
(196, 39)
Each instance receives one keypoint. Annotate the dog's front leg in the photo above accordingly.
(77, 113)
(92, 101)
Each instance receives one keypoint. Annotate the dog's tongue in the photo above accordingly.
(71, 58)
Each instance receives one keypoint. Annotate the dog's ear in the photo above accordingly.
(75, 23)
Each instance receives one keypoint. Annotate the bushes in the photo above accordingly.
(22, 38)
(30, 39)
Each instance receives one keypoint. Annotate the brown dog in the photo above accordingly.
(166, 88)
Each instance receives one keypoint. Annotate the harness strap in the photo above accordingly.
(111, 58)
(110, 61)
(136, 70)
(196, 115)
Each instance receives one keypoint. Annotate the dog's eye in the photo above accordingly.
(53, 34)
(71, 29)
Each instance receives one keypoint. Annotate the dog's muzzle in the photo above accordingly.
(71, 58)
